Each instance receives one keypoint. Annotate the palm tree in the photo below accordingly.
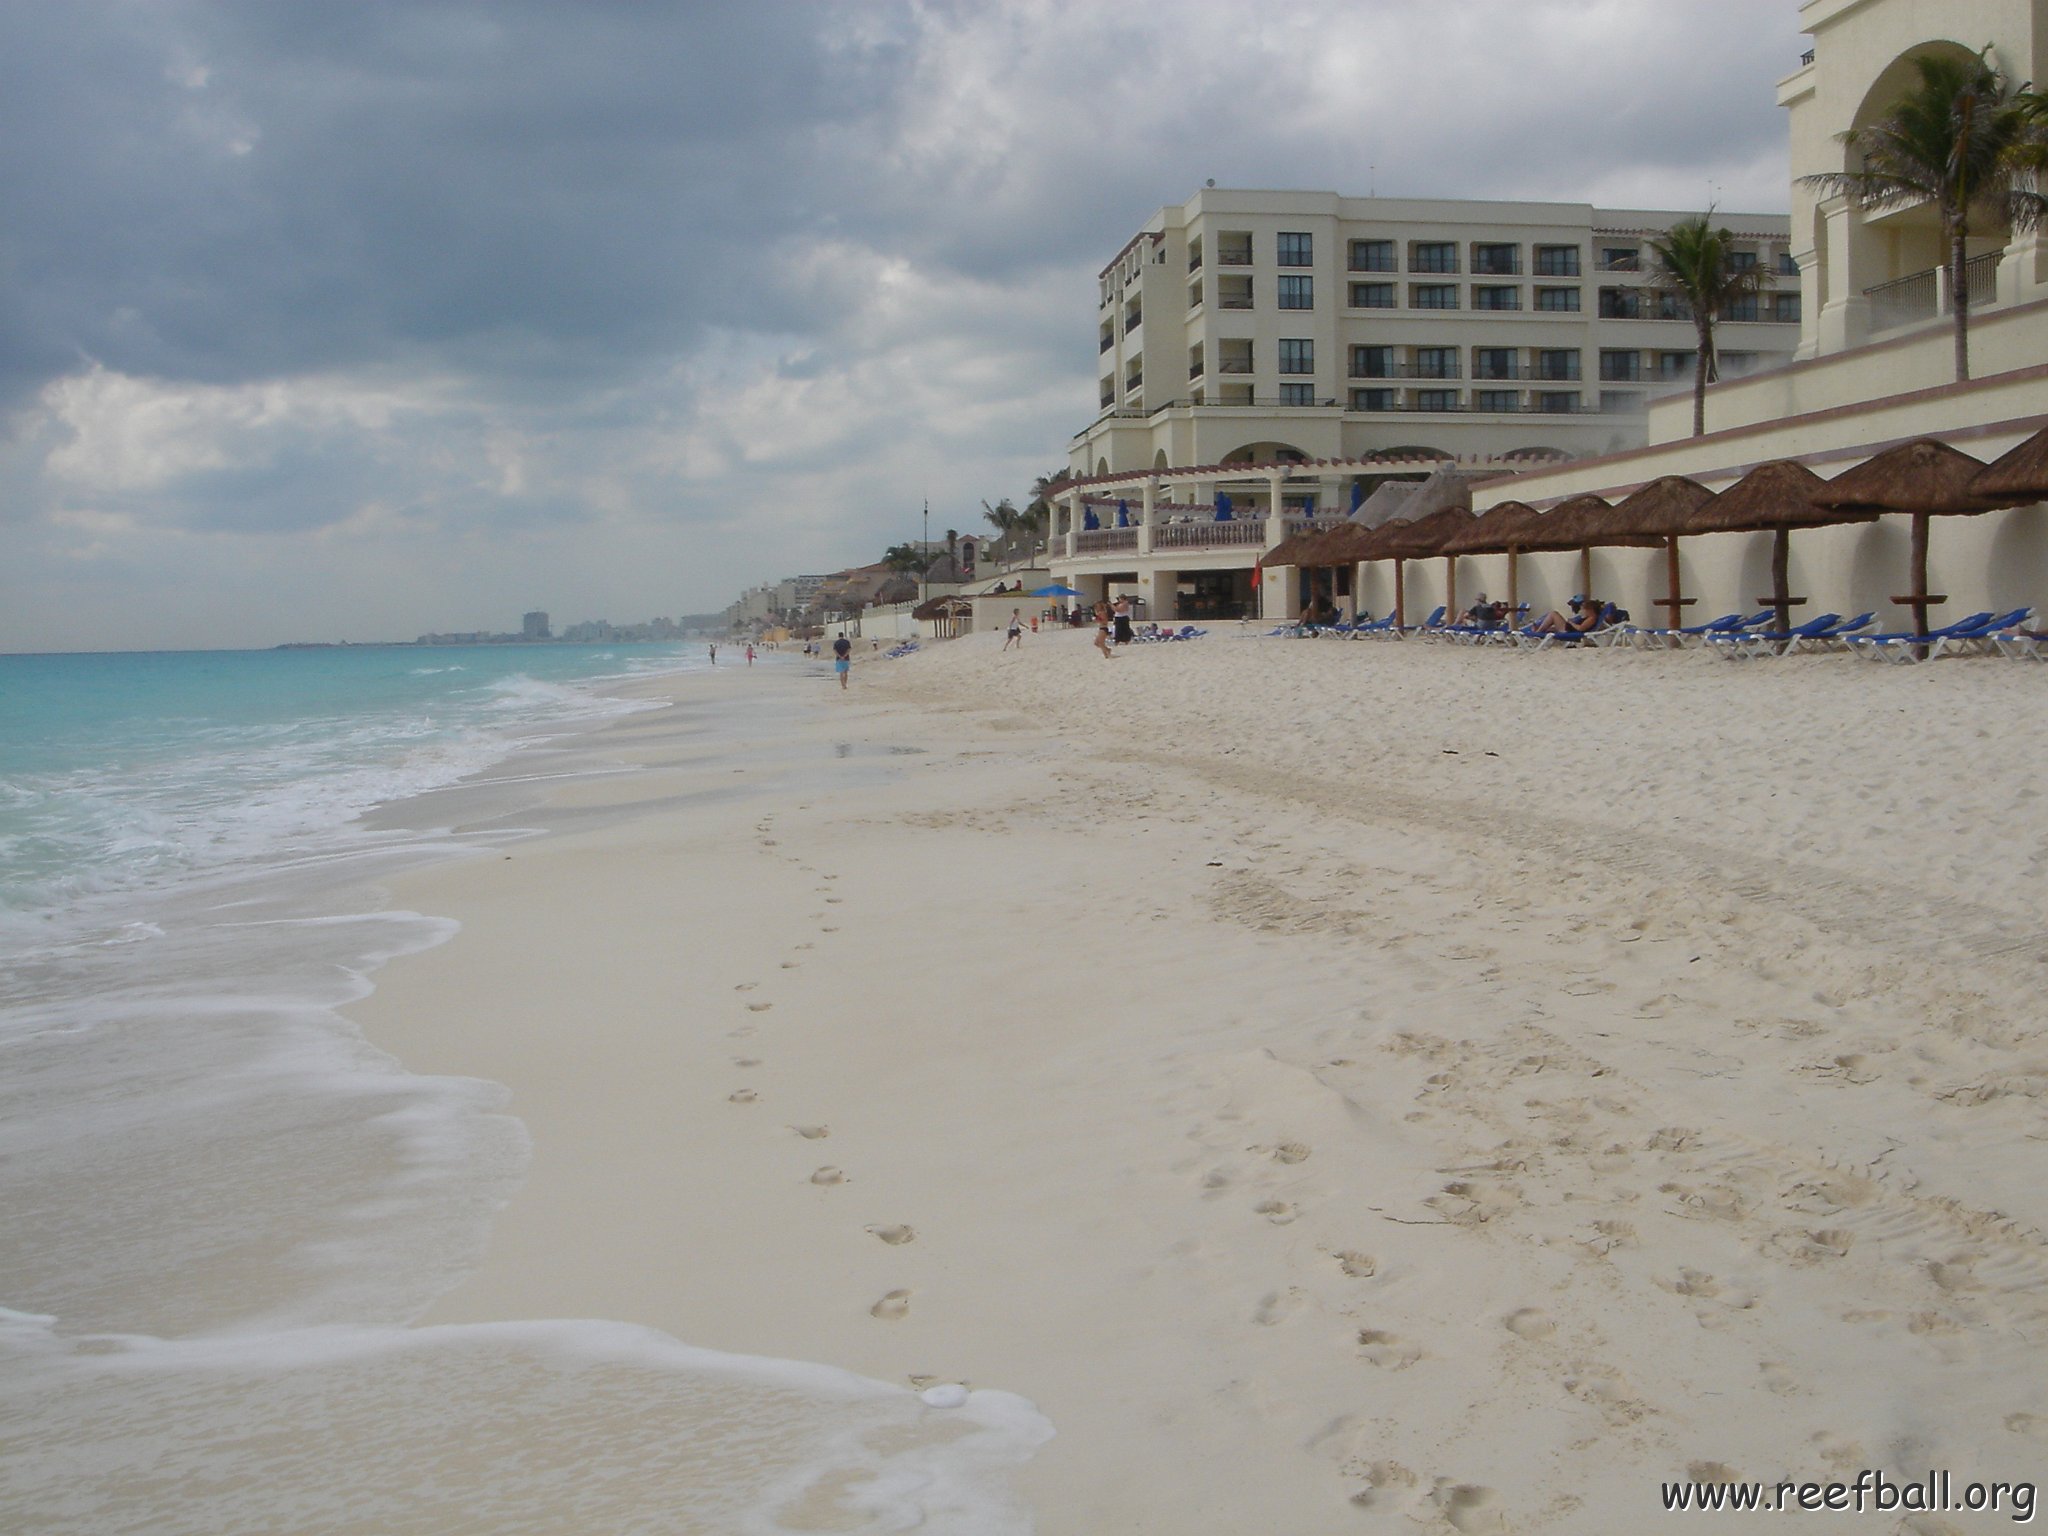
(1963, 141)
(906, 559)
(1695, 265)
(1006, 520)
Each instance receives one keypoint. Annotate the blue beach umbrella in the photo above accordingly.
(1357, 494)
(1089, 521)
(1222, 508)
(1123, 513)
(1055, 590)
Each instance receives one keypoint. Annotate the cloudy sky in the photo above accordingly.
(357, 318)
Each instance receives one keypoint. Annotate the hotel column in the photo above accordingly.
(1145, 517)
(1845, 317)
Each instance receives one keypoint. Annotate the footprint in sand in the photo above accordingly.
(831, 877)
(1469, 1507)
(1290, 1152)
(807, 944)
(1388, 1351)
(789, 965)
(769, 842)
(834, 901)
(1529, 1323)
(828, 930)
(742, 1096)
(746, 986)
(759, 1007)
(894, 1305)
(1278, 1212)
(746, 1061)
(741, 1033)
(812, 1132)
(1359, 1266)
(828, 1175)
(1276, 1307)
(895, 1237)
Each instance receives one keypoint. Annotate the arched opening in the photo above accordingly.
(1411, 451)
(1159, 460)
(1265, 453)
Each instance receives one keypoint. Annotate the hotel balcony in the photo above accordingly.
(1922, 296)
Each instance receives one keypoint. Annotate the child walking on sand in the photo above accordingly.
(842, 658)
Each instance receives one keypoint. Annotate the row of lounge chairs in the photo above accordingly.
(1736, 636)
(1152, 634)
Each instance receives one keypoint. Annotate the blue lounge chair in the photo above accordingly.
(1905, 646)
(1671, 639)
(1981, 641)
(1427, 626)
(1770, 642)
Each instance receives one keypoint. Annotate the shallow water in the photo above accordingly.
(224, 1209)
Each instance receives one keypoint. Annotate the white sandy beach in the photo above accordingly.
(1345, 1086)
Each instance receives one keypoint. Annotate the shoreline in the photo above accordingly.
(1246, 1089)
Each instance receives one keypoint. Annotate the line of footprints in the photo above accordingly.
(894, 1304)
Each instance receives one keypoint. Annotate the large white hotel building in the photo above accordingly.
(1282, 347)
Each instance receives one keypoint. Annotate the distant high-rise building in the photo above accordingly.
(535, 626)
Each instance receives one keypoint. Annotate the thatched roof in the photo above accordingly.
(942, 608)
(1376, 543)
(1426, 536)
(1445, 488)
(1495, 531)
(1665, 506)
(2021, 473)
(1578, 522)
(1308, 547)
(1774, 495)
(1924, 475)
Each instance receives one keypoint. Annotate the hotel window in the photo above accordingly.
(1621, 304)
(1742, 261)
(1297, 394)
(1373, 296)
(1620, 366)
(1433, 295)
(1135, 378)
(1619, 258)
(1134, 316)
(1495, 400)
(1557, 364)
(1297, 355)
(1785, 307)
(1234, 248)
(1557, 261)
(1373, 256)
(1674, 365)
(1787, 267)
(1558, 300)
(1436, 362)
(1560, 402)
(1295, 250)
(1195, 294)
(1372, 362)
(1496, 298)
(1234, 290)
(1497, 260)
(1433, 256)
(1108, 391)
(1436, 399)
(1195, 365)
(1620, 402)
(1195, 254)
(1746, 307)
(1493, 362)
(1372, 400)
(1234, 355)
(1108, 337)
(1297, 292)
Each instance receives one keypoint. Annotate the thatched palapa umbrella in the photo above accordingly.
(1664, 509)
(1777, 496)
(1419, 540)
(1507, 528)
(1926, 478)
(1584, 521)
(2021, 473)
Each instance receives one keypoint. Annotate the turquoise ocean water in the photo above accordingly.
(222, 1210)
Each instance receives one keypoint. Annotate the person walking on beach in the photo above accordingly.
(714, 653)
(1102, 638)
(750, 655)
(1016, 631)
(842, 658)
(1123, 621)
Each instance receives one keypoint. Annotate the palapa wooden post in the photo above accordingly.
(1514, 590)
(1400, 608)
(1451, 588)
(1674, 602)
(1586, 570)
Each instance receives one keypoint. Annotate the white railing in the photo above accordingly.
(1236, 533)
(1105, 541)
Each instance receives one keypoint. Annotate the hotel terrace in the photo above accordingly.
(1292, 349)
(1871, 367)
